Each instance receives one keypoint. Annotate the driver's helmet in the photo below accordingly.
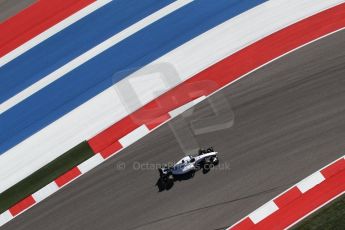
(201, 151)
(182, 161)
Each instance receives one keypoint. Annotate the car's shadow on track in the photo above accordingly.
(164, 186)
(167, 186)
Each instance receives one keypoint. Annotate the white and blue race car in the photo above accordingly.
(187, 166)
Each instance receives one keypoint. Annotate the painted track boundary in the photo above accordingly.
(335, 18)
(299, 201)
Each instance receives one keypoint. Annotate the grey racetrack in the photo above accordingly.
(289, 122)
(9, 8)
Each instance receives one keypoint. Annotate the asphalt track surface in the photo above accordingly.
(289, 122)
(9, 8)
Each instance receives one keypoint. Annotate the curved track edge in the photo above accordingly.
(309, 27)
(299, 201)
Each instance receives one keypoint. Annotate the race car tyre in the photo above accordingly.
(209, 150)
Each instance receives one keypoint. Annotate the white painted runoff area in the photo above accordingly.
(81, 59)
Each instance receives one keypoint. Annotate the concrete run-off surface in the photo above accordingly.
(8, 8)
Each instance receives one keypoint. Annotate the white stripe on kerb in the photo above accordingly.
(5, 217)
(310, 182)
(75, 63)
(90, 163)
(185, 107)
(45, 191)
(52, 30)
(134, 136)
(262, 212)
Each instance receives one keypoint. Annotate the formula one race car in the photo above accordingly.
(187, 166)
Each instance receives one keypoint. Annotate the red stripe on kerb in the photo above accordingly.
(34, 20)
(157, 121)
(288, 197)
(113, 134)
(111, 150)
(67, 177)
(243, 224)
(334, 168)
(22, 205)
(305, 204)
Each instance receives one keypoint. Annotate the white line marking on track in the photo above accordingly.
(45, 191)
(90, 163)
(133, 136)
(181, 109)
